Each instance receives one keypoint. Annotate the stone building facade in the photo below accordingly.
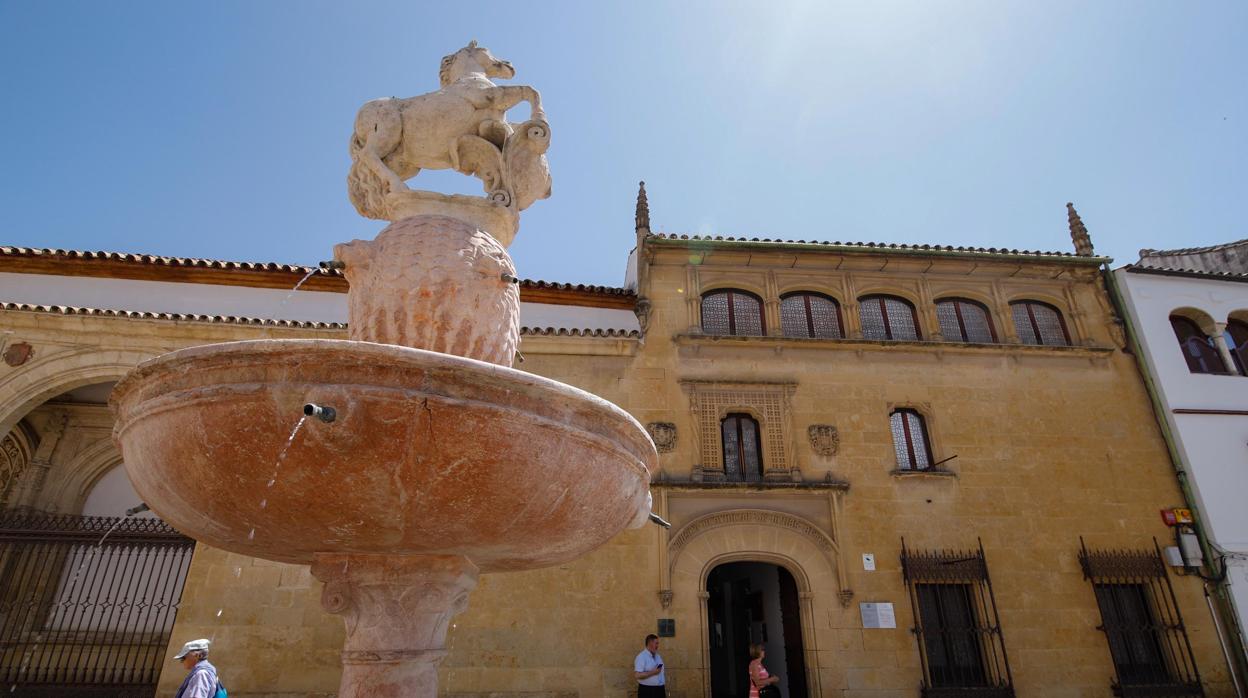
(902, 469)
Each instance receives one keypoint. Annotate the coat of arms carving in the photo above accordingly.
(664, 435)
(824, 439)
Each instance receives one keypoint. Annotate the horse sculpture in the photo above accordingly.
(462, 126)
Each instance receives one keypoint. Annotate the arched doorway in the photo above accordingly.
(754, 603)
(88, 596)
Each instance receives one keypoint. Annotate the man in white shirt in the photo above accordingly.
(648, 670)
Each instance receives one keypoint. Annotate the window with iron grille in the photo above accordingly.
(910, 440)
(888, 317)
(962, 320)
(732, 312)
(743, 450)
(1199, 350)
(805, 314)
(1141, 620)
(1039, 323)
(961, 648)
(1236, 336)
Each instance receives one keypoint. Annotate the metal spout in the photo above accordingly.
(325, 414)
(137, 510)
(333, 264)
(509, 279)
(658, 520)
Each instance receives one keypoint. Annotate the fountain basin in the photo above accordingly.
(429, 454)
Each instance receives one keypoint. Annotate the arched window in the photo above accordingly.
(1039, 323)
(1198, 348)
(962, 320)
(743, 449)
(1236, 336)
(888, 317)
(730, 311)
(804, 314)
(910, 440)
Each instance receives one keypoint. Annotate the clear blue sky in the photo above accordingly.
(219, 129)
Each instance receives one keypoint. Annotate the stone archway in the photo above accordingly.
(59, 372)
(758, 535)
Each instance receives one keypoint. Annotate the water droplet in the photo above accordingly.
(219, 610)
(264, 503)
(251, 535)
(271, 482)
(238, 571)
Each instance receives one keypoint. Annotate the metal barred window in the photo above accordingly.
(1142, 623)
(732, 312)
(82, 616)
(910, 440)
(1039, 323)
(963, 320)
(961, 648)
(810, 315)
(1236, 336)
(1199, 350)
(888, 317)
(743, 450)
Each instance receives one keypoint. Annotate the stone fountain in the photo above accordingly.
(428, 459)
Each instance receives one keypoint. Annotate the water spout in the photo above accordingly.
(137, 510)
(509, 279)
(325, 414)
(333, 264)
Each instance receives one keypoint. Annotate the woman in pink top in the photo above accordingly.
(759, 678)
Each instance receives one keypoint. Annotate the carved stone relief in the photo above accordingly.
(825, 440)
(664, 435)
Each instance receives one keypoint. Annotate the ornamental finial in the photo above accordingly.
(1079, 232)
(643, 208)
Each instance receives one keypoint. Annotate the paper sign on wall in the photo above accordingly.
(877, 615)
(868, 562)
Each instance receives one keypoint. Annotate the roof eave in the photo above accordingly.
(836, 248)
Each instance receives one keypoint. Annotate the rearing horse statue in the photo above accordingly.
(394, 139)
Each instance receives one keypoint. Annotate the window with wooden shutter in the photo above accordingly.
(963, 320)
(806, 314)
(1199, 349)
(1039, 323)
(743, 450)
(732, 312)
(888, 317)
(910, 440)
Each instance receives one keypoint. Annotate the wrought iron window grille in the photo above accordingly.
(1142, 623)
(961, 647)
(83, 618)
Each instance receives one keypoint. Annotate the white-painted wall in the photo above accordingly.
(1213, 447)
(243, 301)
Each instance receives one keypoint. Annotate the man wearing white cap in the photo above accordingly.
(202, 681)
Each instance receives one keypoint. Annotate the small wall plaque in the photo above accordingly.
(667, 627)
(877, 615)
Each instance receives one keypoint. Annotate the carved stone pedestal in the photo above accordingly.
(396, 610)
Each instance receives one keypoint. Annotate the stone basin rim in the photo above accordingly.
(397, 355)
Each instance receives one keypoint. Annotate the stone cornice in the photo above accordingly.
(700, 340)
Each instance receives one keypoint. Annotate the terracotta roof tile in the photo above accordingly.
(295, 270)
(179, 317)
(865, 246)
(1176, 271)
(299, 324)
(1192, 250)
